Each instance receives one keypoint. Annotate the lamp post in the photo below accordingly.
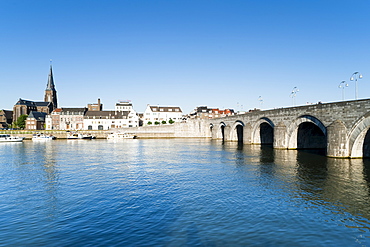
(295, 90)
(342, 85)
(355, 76)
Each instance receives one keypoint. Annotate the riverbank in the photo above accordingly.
(190, 129)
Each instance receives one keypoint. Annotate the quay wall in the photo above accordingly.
(190, 129)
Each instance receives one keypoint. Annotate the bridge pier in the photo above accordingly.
(247, 133)
(337, 140)
(280, 136)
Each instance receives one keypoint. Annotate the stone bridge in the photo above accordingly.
(342, 128)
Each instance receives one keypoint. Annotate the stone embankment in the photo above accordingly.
(190, 129)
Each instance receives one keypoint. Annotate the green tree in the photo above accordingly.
(150, 123)
(21, 121)
(164, 122)
(156, 123)
(171, 121)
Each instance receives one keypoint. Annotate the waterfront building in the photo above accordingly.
(133, 116)
(154, 114)
(124, 106)
(25, 107)
(6, 118)
(52, 121)
(95, 106)
(106, 120)
(35, 121)
(203, 112)
(72, 118)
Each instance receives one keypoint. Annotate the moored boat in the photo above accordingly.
(43, 137)
(118, 136)
(9, 138)
(75, 136)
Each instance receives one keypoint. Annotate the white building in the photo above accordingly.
(106, 120)
(124, 106)
(162, 113)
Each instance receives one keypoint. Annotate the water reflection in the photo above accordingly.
(343, 185)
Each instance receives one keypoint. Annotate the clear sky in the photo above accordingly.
(184, 53)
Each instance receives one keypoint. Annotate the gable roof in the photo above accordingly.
(25, 102)
(73, 111)
(109, 114)
(165, 109)
(39, 116)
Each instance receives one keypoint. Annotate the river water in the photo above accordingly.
(179, 192)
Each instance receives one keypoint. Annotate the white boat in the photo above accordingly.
(42, 137)
(74, 136)
(9, 138)
(118, 136)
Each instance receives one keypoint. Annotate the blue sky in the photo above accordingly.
(184, 53)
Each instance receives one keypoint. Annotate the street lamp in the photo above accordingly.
(342, 85)
(355, 76)
(295, 90)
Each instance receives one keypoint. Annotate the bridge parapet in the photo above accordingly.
(340, 126)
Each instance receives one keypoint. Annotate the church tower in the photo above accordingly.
(50, 92)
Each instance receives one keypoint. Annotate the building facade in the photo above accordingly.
(95, 106)
(123, 106)
(106, 120)
(72, 118)
(203, 112)
(6, 118)
(153, 114)
(35, 121)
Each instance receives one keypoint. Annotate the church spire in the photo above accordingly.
(50, 85)
(50, 92)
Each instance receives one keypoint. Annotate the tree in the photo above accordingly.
(164, 122)
(171, 121)
(21, 121)
(156, 123)
(149, 123)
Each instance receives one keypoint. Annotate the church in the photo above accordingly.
(25, 107)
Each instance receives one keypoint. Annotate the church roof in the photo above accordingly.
(25, 102)
(42, 103)
(50, 85)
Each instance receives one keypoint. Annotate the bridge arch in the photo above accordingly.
(220, 134)
(236, 132)
(307, 132)
(263, 131)
(359, 138)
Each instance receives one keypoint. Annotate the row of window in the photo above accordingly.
(155, 109)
